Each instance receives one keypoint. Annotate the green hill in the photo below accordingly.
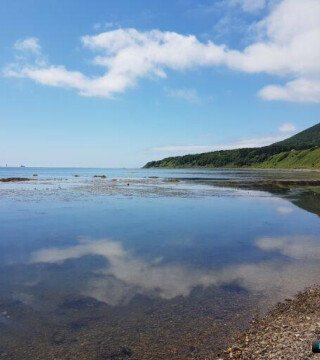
(299, 151)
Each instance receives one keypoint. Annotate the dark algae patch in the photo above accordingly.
(15, 179)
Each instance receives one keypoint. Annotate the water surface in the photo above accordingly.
(136, 266)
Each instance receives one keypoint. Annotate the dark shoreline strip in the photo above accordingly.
(14, 179)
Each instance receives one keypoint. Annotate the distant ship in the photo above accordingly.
(22, 166)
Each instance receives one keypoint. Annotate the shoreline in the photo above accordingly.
(286, 332)
(232, 168)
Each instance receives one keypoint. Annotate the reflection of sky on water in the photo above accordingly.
(126, 275)
(161, 246)
(85, 173)
(285, 210)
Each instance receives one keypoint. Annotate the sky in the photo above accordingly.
(117, 83)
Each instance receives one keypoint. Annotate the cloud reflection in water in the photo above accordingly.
(285, 210)
(127, 275)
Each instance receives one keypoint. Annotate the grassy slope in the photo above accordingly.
(294, 159)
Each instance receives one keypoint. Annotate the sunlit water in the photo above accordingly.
(136, 266)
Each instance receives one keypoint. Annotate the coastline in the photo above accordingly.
(286, 332)
(305, 169)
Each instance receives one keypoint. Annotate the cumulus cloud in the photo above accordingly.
(53, 76)
(300, 90)
(127, 55)
(288, 45)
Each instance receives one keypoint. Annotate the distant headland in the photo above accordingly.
(301, 151)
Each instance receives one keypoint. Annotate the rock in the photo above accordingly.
(126, 351)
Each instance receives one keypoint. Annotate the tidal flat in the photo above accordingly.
(149, 264)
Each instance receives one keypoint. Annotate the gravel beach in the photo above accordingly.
(286, 332)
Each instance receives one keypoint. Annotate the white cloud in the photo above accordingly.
(189, 95)
(300, 90)
(127, 55)
(289, 46)
(193, 149)
(58, 76)
(287, 128)
(28, 44)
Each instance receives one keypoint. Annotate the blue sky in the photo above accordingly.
(118, 83)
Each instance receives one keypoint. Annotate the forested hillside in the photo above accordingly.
(299, 151)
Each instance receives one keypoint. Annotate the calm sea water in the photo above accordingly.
(134, 266)
(68, 173)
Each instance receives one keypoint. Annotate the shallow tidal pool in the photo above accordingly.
(136, 266)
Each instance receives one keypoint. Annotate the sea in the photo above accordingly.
(145, 263)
